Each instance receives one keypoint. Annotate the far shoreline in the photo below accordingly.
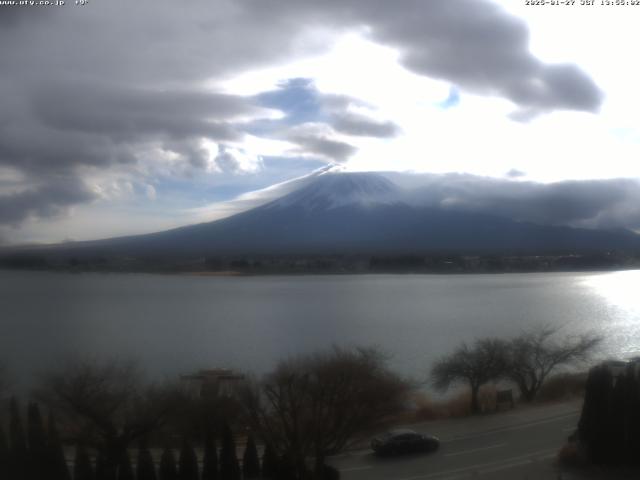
(298, 273)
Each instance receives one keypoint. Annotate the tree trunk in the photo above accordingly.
(319, 466)
(475, 401)
(527, 393)
(114, 450)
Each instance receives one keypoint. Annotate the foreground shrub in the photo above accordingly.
(229, 466)
(569, 455)
(473, 366)
(145, 469)
(250, 460)
(210, 460)
(168, 470)
(563, 386)
(188, 463)
(316, 405)
(125, 470)
(82, 470)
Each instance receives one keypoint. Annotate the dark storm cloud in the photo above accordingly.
(71, 125)
(92, 86)
(37, 150)
(47, 200)
(611, 203)
(130, 112)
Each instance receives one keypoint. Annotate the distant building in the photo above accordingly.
(214, 382)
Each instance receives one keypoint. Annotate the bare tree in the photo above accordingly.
(316, 405)
(474, 365)
(106, 405)
(535, 354)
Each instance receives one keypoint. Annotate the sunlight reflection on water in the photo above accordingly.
(619, 290)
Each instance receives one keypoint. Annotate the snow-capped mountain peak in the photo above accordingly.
(334, 190)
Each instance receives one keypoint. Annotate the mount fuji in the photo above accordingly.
(354, 213)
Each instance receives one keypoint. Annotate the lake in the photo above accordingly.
(178, 323)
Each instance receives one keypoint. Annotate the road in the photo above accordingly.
(519, 444)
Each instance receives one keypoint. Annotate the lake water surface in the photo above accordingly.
(175, 324)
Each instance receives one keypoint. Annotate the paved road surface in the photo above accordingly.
(517, 445)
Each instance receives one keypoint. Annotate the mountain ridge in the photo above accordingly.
(353, 213)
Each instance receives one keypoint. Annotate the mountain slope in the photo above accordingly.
(355, 213)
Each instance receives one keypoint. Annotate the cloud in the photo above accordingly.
(127, 113)
(515, 173)
(479, 46)
(360, 125)
(150, 192)
(12, 17)
(236, 161)
(44, 201)
(610, 203)
(68, 127)
(315, 139)
(316, 122)
(74, 125)
(301, 102)
(226, 161)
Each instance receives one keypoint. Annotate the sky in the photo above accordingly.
(129, 117)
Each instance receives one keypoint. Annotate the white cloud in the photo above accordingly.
(150, 192)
